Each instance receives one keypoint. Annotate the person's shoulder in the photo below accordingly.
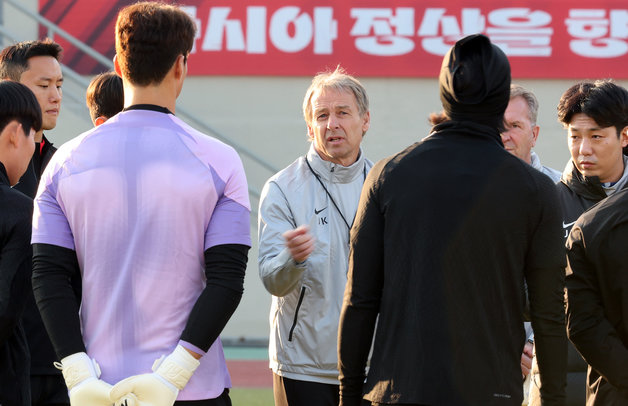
(63, 153)
(293, 173)
(16, 204)
(614, 207)
(552, 173)
(76, 142)
(595, 225)
(200, 138)
(11, 195)
(533, 183)
(539, 176)
(511, 169)
(399, 159)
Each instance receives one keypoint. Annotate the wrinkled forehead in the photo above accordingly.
(333, 96)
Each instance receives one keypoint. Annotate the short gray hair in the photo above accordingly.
(529, 97)
(337, 80)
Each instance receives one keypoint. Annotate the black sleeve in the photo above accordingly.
(225, 266)
(54, 268)
(362, 295)
(15, 270)
(545, 276)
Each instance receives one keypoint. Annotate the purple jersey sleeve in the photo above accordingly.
(230, 222)
(50, 225)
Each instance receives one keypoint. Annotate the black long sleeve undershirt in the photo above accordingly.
(225, 266)
(54, 267)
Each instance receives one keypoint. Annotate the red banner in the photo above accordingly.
(394, 38)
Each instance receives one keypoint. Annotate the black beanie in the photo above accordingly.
(475, 82)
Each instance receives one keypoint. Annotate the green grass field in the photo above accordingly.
(251, 396)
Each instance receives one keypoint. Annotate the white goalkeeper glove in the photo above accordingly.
(160, 388)
(81, 375)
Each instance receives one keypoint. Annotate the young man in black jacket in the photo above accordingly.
(594, 117)
(36, 65)
(445, 235)
(594, 114)
(20, 118)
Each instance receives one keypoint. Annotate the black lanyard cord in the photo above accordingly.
(329, 194)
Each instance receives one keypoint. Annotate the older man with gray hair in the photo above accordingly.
(306, 212)
(522, 130)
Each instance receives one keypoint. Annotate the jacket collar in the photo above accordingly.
(585, 186)
(467, 128)
(621, 183)
(44, 145)
(45, 140)
(535, 161)
(336, 173)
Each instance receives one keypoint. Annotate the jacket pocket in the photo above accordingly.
(296, 313)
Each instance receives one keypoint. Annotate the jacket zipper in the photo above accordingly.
(296, 313)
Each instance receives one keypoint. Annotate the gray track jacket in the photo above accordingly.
(307, 297)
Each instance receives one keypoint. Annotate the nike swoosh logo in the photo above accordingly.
(568, 224)
(318, 211)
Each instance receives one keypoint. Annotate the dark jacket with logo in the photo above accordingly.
(16, 211)
(445, 235)
(577, 194)
(597, 285)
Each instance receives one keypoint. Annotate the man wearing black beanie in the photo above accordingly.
(446, 233)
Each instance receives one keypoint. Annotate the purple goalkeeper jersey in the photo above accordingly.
(140, 198)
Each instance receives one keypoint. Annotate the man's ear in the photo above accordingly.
(99, 120)
(366, 123)
(11, 133)
(535, 134)
(624, 137)
(116, 65)
(179, 67)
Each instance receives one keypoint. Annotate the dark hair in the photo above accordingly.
(17, 102)
(149, 38)
(604, 101)
(14, 58)
(105, 96)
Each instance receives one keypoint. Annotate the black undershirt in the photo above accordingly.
(151, 107)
